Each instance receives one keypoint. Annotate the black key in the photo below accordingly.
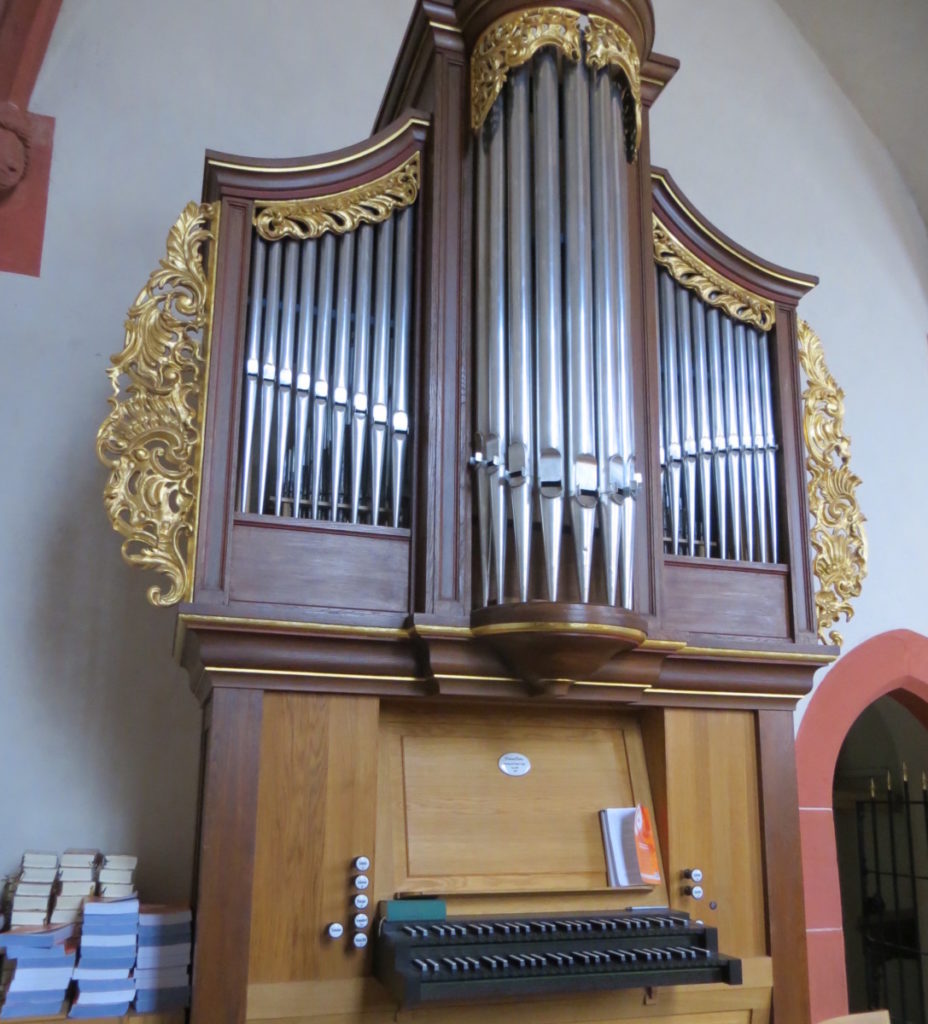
(435, 965)
(449, 963)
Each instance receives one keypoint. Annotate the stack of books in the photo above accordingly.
(162, 973)
(103, 981)
(77, 881)
(116, 875)
(32, 889)
(36, 971)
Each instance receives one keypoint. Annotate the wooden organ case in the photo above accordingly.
(478, 439)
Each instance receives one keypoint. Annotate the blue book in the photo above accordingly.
(98, 1010)
(152, 1000)
(124, 959)
(113, 924)
(100, 907)
(57, 956)
(32, 938)
(104, 984)
(48, 1008)
(165, 935)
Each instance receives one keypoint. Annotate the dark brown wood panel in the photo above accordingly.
(783, 867)
(226, 858)
(706, 595)
(285, 562)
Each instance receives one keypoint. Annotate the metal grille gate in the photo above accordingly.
(892, 837)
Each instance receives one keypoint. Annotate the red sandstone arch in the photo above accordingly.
(894, 663)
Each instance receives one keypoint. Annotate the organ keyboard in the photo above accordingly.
(493, 957)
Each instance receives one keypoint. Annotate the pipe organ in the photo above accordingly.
(479, 466)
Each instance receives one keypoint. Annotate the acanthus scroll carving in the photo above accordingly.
(837, 534)
(151, 440)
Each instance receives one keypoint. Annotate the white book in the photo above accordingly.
(89, 939)
(40, 859)
(68, 902)
(19, 918)
(40, 979)
(78, 888)
(36, 874)
(122, 861)
(24, 902)
(76, 874)
(628, 842)
(79, 858)
(117, 890)
(33, 889)
(122, 876)
(62, 915)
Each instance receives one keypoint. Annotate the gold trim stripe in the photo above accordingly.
(302, 672)
(323, 163)
(340, 212)
(687, 269)
(742, 257)
(593, 628)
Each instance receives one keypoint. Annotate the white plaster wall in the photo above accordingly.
(98, 732)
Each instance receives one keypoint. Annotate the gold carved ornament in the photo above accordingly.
(609, 45)
(340, 212)
(687, 269)
(151, 440)
(837, 534)
(516, 38)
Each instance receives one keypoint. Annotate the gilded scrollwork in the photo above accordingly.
(609, 45)
(837, 533)
(689, 270)
(151, 440)
(340, 212)
(509, 43)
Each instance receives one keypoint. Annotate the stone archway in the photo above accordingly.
(895, 664)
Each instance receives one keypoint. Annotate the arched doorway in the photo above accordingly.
(893, 663)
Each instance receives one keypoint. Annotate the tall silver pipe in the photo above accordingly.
(269, 365)
(340, 357)
(324, 298)
(549, 469)
(285, 367)
(482, 367)
(688, 413)
(304, 355)
(402, 329)
(581, 460)
(495, 284)
(719, 440)
(605, 332)
(672, 440)
(620, 227)
(757, 442)
(770, 444)
(252, 365)
(703, 418)
(381, 362)
(520, 453)
(744, 419)
(361, 365)
(732, 432)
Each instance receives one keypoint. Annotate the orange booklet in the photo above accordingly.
(631, 852)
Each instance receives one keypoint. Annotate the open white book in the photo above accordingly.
(628, 840)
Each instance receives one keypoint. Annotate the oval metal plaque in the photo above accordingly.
(514, 764)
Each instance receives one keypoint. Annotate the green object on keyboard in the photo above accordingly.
(415, 910)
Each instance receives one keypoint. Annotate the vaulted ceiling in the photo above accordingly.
(877, 51)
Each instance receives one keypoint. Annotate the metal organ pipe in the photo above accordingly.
(719, 440)
(671, 408)
(252, 367)
(744, 419)
(581, 461)
(320, 387)
(360, 368)
(402, 326)
(285, 370)
(482, 370)
(304, 355)
(757, 442)
(703, 422)
(688, 411)
(549, 470)
(269, 368)
(770, 443)
(342, 350)
(380, 366)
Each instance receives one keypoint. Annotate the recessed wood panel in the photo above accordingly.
(713, 822)
(325, 566)
(316, 810)
(459, 825)
(705, 595)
